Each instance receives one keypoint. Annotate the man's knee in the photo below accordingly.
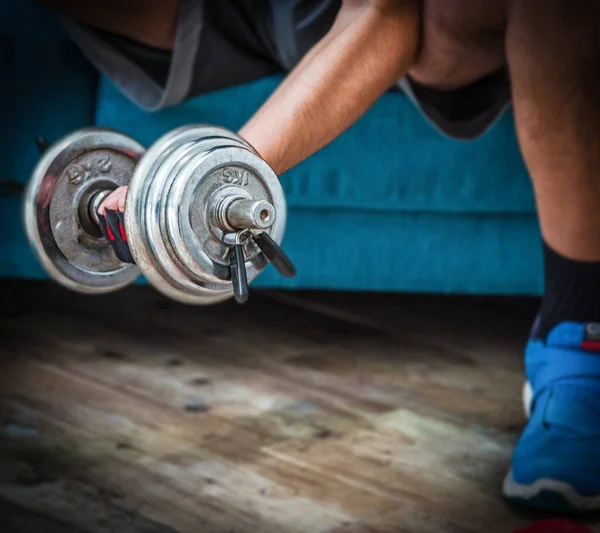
(462, 41)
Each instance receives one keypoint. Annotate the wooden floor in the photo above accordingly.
(296, 413)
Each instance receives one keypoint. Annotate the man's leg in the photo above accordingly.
(554, 55)
(553, 51)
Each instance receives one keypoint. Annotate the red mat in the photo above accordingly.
(555, 526)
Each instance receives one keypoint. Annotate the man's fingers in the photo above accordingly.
(115, 201)
(112, 223)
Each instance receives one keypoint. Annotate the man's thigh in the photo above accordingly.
(174, 50)
(200, 46)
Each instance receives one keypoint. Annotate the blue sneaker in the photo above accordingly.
(556, 464)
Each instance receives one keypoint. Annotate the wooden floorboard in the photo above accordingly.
(300, 412)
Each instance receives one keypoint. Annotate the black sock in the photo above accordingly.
(572, 292)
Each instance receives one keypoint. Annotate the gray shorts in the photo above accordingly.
(222, 43)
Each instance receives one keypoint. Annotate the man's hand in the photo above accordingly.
(115, 201)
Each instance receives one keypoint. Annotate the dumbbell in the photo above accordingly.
(204, 213)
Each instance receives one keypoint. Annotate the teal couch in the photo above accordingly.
(392, 205)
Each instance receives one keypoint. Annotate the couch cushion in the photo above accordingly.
(392, 159)
(423, 252)
(48, 90)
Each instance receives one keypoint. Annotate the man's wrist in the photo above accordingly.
(267, 147)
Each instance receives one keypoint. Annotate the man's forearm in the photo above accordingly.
(367, 50)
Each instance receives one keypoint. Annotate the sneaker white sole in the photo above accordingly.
(527, 399)
(546, 493)
(549, 494)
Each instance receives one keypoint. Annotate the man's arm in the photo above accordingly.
(371, 45)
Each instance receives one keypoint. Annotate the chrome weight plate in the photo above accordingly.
(139, 213)
(222, 175)
(175, 202)
(56, 208)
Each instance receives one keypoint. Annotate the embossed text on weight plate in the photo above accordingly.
(80, 172)
(234, 176)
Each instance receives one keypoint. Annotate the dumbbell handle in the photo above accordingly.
(94, 205)
(233, 214)
(242, 214)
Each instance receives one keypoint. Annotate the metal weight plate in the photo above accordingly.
(168, 275)
(180, 251)
(60, 230)
(189, 284)
(145, 204)
(226, 172)
(160, 192)
(140, 212)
